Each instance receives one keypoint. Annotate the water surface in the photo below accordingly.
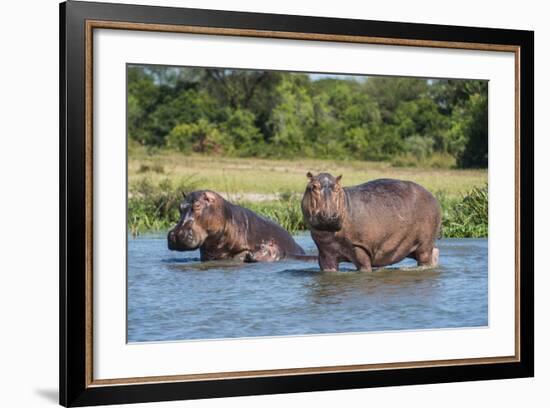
(173, 296)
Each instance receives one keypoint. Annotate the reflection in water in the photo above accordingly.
(205, 266)
(382, 282)
(174, 296)
(173, 261)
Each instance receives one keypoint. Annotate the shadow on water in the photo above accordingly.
(380, 283)
(180, 260)
(196, 265)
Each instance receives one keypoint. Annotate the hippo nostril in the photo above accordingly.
(187, 235)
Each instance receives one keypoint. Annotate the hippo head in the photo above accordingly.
(324, 202)
(201, 215)
(267, 251)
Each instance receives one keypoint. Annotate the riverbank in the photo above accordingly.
(273, 188)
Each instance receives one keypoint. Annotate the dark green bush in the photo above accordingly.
(155, 207)
(286, 212)
(467, 217)
(250, 113)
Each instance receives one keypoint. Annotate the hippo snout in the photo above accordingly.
(172, 240)
(327, 222)
(183, 239)
(177, 237)
(328, 217)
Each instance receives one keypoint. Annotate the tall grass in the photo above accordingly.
(434, 161)
(467, 217)
(154, 207)
(286, 212)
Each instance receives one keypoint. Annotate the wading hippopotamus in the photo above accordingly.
(222, 230)
(269, 251)
(373, 224)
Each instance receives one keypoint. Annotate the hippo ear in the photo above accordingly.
(338, 179)
(209, 196)
(309, 175)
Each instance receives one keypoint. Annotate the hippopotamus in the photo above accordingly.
(269, 251)
(222, 230)
(373, 224)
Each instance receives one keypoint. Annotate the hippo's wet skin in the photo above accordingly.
(377, 223)
(222, 230)
(269, 251)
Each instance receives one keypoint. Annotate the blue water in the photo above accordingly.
(173, 296)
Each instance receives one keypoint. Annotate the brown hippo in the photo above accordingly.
(223, 230)
(373, 224)
(270, 251)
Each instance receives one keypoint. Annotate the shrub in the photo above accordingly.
(155, 207)
(155, 167)
(286, 212)
(469, 217)
(199, 137)
(243, 133)
(420, 147)
(435, 161)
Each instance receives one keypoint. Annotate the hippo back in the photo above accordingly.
(385, 207)
(258, 229)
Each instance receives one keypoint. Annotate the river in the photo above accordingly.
(173, 296)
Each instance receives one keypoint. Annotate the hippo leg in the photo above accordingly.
(435, 256)
(427, 257)
(362, 260)
(328, 262)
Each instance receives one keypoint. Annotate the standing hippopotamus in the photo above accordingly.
(223, 230)
(373, 224)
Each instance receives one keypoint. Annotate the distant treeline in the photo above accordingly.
(276, 114)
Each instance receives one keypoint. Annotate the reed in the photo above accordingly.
(154, 207)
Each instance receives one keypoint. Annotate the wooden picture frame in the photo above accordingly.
(78, 20)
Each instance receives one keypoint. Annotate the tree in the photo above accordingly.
(199, 137)
(243, 133)
(291, 118)
(268, 113)
(475, 152)
(390, 92)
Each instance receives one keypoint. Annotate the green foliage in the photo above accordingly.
(250, 113)
(467, 217)
(199, 137)
(154, 207)
(286, 212)
(291, 118)
(242, 132)
(434, 161)
(475, 150)
(146, 168)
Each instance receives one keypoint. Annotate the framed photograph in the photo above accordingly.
(256, 203)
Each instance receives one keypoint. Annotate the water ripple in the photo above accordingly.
(173, 296)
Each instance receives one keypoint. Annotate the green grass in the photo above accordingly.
(466, 217)
(273, 188)
(234, 176)
(285, 212)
